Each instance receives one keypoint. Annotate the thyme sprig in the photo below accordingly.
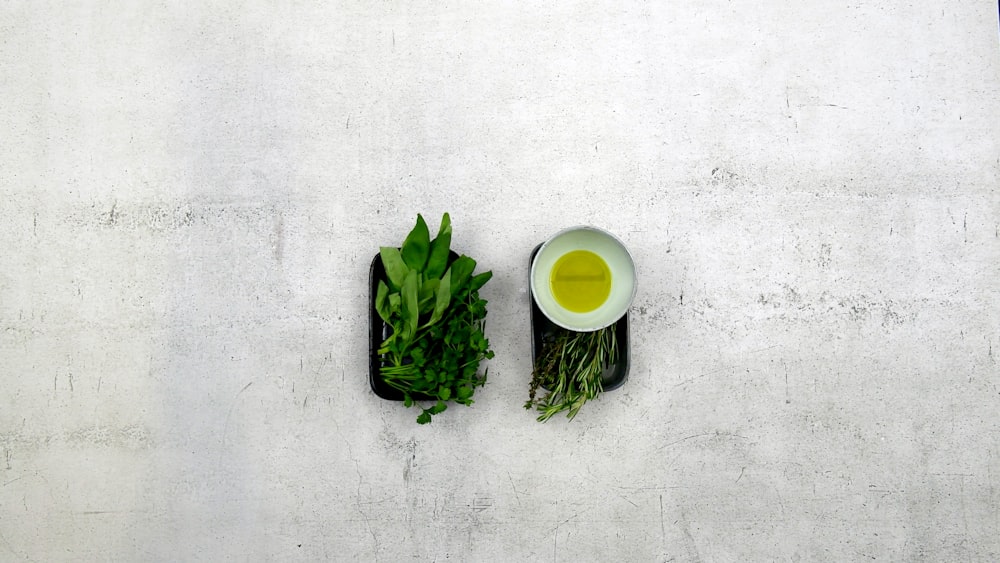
(570, 368)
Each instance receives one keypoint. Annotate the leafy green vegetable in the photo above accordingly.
(570, 367)
(437, 321)
(395, 268)
(437, 261)
(443, 298)
(416, 247)
(382, 301)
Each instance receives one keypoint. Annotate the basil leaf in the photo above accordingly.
(411, 306)
(440, 249)
(428, 290)
(395, 269)
(443, 298)
(479, 281)
(417, 246)
(382, 301)
(461, 269)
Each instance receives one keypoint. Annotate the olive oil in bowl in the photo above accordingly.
(580, 281)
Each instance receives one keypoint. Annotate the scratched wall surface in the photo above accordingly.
(191, 197)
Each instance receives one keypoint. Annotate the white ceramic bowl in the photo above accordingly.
(614, 254)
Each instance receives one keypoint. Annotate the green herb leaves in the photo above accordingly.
(417, 246)
(395, 268)
(431, 303)
(440, 248)
(570, 367)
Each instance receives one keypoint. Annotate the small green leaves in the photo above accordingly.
(417, 246)
(437, 408)
(437, 319)
(478, 342)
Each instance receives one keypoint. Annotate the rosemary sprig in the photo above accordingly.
(570, 367)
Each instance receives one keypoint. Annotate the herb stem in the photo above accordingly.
(570, 367)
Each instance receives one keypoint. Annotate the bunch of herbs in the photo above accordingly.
(431, 304)
(570, 368)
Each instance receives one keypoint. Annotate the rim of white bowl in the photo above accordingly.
(590, 327)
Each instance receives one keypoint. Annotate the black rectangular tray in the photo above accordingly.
(616, 374)
(378, 331)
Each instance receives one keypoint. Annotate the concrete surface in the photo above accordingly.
(191, 196)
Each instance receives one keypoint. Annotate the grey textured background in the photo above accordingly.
(191, 196)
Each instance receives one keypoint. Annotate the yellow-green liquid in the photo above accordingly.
(580, 281)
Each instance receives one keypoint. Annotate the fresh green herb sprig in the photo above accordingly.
(570, 367)
(437, 319)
